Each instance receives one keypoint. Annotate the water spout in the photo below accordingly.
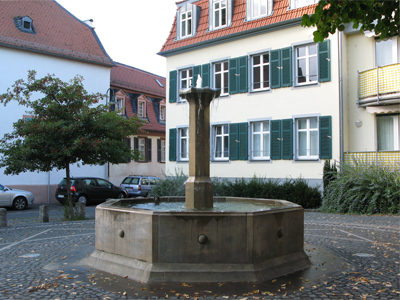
(199, 81)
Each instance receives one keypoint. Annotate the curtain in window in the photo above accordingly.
(385, 126)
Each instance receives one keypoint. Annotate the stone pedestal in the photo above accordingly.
(43, 213)
(199, 189)
(80, 209)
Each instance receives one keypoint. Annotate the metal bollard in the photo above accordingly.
(3, 217)
(44, 214)
(80, 209)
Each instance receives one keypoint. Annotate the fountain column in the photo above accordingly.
(199, 187)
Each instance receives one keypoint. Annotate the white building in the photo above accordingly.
(43, 36)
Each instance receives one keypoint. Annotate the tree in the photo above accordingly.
(382, 17)
(67, 127)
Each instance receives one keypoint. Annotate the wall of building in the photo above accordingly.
(320, 99)
(15, 65)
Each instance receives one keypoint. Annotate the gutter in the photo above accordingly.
(340, 46)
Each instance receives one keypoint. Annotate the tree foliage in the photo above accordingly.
(382, 17)
(67, 126)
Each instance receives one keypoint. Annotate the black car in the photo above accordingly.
(89, 190)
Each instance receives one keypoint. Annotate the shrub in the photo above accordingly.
(364, 188)
(293, 190)
(329, 173)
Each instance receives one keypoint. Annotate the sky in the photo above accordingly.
(132, 31)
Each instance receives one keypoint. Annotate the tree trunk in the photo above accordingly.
(70, 204)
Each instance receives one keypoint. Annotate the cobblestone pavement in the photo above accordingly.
(41, 261)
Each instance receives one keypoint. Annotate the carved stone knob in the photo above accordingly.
(202, 239)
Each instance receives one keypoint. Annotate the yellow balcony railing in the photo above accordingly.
(386, 158)
(378, 82)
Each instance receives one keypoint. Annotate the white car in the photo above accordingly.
(17, 199)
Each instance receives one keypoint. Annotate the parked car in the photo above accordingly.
(89, 190)
(17, 199)
(137, 185)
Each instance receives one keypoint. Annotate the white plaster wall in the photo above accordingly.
(321, 99)
(153, 168)
(15, 65)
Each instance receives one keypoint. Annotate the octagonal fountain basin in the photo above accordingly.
(247, 240)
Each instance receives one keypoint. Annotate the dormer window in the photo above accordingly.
(162, 113)
(186, 20)
(24, 24)
(220, 13)
(256, 9)
(120, 105)
(141, 109)
(301, 3)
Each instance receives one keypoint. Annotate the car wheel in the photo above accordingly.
(121, 196)
(20, 203)
(82, 199)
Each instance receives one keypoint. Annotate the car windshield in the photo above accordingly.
(131, 180)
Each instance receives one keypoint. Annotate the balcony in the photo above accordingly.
(379, 86)
(385, 158)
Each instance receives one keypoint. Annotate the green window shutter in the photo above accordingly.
(205, 74)
(148, 149)
(158, 150)
(172, 86)
(233, 70)
(324, 61)
(275, 62)
(172, 144)
(276, 139)
(234, 141)
(196, 72)
(242, 78)
(243, 141)
(325, 137)
(287, 139)
(136, 145)
(286, 71)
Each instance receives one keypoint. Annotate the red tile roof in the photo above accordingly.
(137, 80)
(280, 14)
(57, 32)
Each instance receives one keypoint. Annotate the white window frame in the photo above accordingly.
(162, 112)
(184, 23)
(142, 148)
(396, 132)
(395, 50)
(301, 3)
(219, 11)
(185, 82)
(223, 137)
(251, 9)
(308, 130)
(183, 138)
(307, 57)
(141, 109)
(222, 72)
(162, 151)
(265, 154)
(119, 105)
(261, 66)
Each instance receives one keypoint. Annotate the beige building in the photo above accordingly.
(287, 104)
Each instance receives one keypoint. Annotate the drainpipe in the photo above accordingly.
(340, 46)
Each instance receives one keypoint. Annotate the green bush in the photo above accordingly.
(293, 190)
(364, 188)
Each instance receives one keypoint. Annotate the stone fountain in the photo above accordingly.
(244, 240)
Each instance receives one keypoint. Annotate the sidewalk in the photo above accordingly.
(355, 257)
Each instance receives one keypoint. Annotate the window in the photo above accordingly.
(160, 150)
(301, 3)
(221, 75)
(386, 51)
(260, 72)
(219, 13)
(306, 64)
(388, 132)
(307, 143)
(162, 112)
(220, 142)
(143, 146)
(186, 78)
(256, 9)
(120, 105)
(260, 140)
(142, 149)
(141, 109)
(24, 24)
(186, 24)
(183, 144)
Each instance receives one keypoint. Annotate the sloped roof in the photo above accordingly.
(281, 15)
(57, 32)
(137, 80)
